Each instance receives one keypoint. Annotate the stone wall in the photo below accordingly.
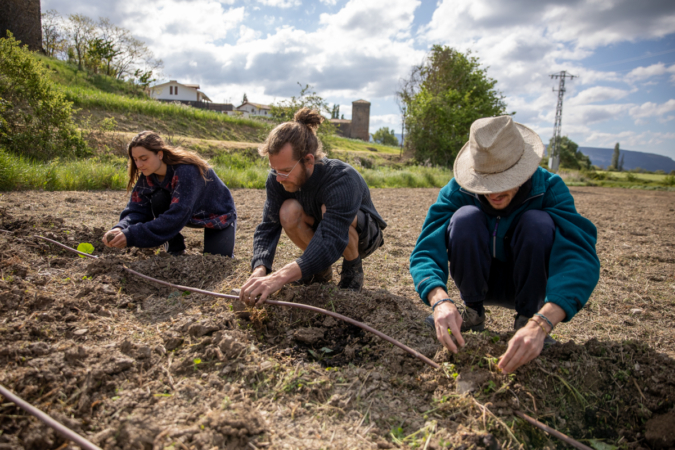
(360, 120)
(343, 127)
(23, 19)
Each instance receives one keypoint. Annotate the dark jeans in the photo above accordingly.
(216, 242)
(520, 282)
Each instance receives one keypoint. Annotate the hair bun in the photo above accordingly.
(309, 117)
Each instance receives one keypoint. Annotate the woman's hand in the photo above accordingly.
(115, 238)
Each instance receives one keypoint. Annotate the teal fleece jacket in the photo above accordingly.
(574, 267)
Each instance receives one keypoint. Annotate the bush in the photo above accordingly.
(35, 118)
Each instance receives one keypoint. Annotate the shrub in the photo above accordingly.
(35, 118)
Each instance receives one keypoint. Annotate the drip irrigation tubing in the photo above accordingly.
(84, 443)
(552, 432)
(363, 326)
(60, 428)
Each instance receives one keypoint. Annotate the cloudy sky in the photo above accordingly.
(623, 52)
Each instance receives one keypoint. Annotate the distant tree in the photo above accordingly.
(53, 38)
(244, 99)
(385, 136)
(443, 96)
(286, 109)
(81, 30)
(615, 158)
(570, 156)
(623, 156)
(335, 114)
(343, 117)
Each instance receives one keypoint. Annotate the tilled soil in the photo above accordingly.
(131, 364)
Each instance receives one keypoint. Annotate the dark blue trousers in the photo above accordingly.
(520, 282)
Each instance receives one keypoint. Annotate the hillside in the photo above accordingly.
(602, 157)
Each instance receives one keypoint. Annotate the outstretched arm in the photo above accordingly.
(528, 342)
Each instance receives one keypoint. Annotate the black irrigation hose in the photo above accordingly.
(61, 429)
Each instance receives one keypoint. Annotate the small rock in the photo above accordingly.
(329, 322)
(266, 365)
(172, 342)
(309, 335)
(464, 387)
(200, 329)
(81, 332)
(74, 354)
(143, 352)
(635, 311)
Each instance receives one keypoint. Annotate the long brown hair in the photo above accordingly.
(300, 133)
(153, 142)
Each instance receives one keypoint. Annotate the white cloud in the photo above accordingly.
(598, 94)
(247, 34)
(281, 3)
(643, 73)
(329, 2)
(650, 109)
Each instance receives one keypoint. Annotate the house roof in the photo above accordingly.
(193, 86)
(361, 101)
(257, 105)
(206, 97)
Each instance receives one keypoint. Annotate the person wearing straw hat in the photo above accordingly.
(512, 237)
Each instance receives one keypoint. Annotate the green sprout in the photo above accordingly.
(85, 247)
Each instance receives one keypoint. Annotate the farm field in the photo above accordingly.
(133, 365)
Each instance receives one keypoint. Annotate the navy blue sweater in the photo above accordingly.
(333, 183)
(194, 201)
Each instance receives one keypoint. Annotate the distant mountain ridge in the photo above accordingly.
(602, 157)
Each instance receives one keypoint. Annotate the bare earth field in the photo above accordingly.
(132, 365)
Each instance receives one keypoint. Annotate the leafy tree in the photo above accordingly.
(385, 136)
(53, 39)
(615, 158)
(443, 96)
(81, 30)
(35, 118)
(335, 113)
(623, 155)
(570, 156)
(286, 109)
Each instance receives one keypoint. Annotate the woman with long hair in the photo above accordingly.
(172, 188)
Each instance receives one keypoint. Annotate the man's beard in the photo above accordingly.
(294, 187)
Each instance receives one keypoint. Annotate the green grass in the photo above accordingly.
(619, 179)
(237, 170)
(357, 145)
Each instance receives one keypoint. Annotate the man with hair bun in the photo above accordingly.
(322, 204)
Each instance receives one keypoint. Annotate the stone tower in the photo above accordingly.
(24, 20)
(360, 120)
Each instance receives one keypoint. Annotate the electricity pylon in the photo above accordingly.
(554, 152)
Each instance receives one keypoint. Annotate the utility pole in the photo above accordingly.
(554, 152)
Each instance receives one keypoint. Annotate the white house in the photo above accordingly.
(173, 90)
(254, 109)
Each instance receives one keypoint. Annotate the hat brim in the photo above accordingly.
(490, 183)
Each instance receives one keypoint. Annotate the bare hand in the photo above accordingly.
(251, 289)
(524, 346)
(448, 324)
(115, 238)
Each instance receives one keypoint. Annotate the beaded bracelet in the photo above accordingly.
(433, 308)
(540, 325)
(545, 319)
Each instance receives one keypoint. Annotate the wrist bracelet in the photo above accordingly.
(545, 319)
(433, 308)
(540, 325)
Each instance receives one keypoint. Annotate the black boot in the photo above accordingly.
(351, 277)
(175, 246)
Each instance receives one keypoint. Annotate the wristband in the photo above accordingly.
(540, 326)
(433, 308)
(545, 319)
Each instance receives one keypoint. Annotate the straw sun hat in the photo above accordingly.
(500, 155)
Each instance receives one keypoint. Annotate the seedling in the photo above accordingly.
(85, 247)
(196, 362)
